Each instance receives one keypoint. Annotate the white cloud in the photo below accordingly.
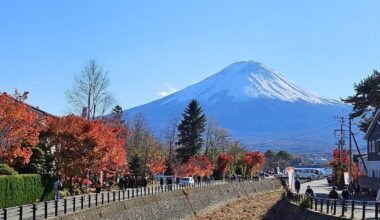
(169, 90)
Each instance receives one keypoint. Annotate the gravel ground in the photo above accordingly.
(252, 208)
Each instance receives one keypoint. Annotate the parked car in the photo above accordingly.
(187, 181)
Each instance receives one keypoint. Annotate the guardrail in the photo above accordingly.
(354, 209)
(44, 210)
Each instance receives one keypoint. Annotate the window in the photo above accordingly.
(373, 173)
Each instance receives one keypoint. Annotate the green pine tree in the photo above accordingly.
(190, 131)
(136, 166)
(366, 100)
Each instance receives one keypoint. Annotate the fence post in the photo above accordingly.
(5, 213)
(123, 194)
(96, 199)
(114, 196)
(108, 196)
(102, 198)
(128, 193)
(133, 193)
(74, 204)
(34, 211)
(352, 208)
(89, 200)
(316, 204)
(328, 206)
(137, 192)
(321, 205)
(81, 202)
(343, 206)
(45, 209)
(144, 191)
(56, 207)
(20, 212)
(64, 206)
(119, 193)
(376, 210)
(363, 214)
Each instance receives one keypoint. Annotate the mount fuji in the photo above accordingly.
(258, 106)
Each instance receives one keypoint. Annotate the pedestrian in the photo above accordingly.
(351, 188)
(98, 186)
(345, 193)
(121, 183)
(309, 192)
(57, 188)
(357, 188)
(297, 185)
(161, 181)
(333, 195)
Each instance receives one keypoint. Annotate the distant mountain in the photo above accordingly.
(258, 106)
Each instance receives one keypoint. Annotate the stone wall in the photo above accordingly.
(181, 204)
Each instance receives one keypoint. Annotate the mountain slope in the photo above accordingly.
(255, 103)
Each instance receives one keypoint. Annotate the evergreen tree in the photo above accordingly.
(366, 100)
(190, 131)
(136, 166)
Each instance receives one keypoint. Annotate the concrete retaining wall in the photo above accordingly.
(285, 210)
(181, 204)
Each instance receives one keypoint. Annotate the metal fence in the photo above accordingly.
(44, 210)
(353, 209)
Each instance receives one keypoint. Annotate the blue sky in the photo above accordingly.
(324, 46)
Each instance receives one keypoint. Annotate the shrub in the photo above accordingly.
(23, 189)
(64, 193)
(77, 191)
(7, 170)
(304, 203)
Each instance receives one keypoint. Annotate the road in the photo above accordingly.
(321, 190)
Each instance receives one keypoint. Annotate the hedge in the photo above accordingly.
(25, 189)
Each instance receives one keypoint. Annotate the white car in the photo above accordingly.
(185, 181)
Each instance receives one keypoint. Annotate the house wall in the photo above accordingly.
(373, 144)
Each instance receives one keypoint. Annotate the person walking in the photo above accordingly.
(98, 186)
(297, 185)
(309, 192)
(345, 196)
(57, 188)
(333, 195)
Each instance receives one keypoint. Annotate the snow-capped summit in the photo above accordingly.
(247, 80)
(255, 104)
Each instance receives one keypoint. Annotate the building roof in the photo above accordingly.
(372, 125)
(35, 109)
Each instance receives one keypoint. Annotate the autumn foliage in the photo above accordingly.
(19, 130)
(198, 166)
(253, 162)
(337, 176)
(223, 161)
(156, 165)
(82, 145)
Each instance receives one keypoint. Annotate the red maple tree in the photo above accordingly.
(253, 162)
(198, 166)
(222, 162)
(19, 130)
(81, 145)
(156, 165)
(337, 168)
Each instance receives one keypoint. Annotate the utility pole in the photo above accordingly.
(350, 148)
(340, 144)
